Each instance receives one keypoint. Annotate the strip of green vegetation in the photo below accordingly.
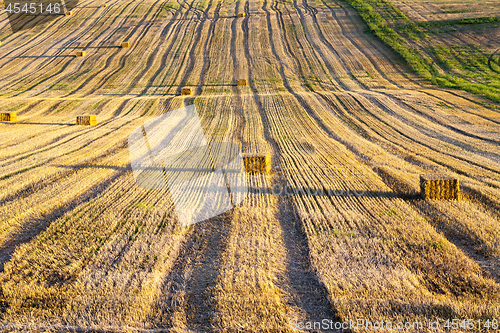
(465, 21)
(453, 68)
(379, 26)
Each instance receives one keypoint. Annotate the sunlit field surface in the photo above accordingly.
(336, 231)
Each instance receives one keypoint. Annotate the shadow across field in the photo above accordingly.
(187, 292)
(91, 47)
(307, 291)
(166, 88)
(98, 47)
(211, 85)
(138, 94)
(222, 17)
(430, 210)
(87, 7)
(288, 191)
(95, 166)
(43, 56)
(39, 225)
(193, 85)
(24, 123)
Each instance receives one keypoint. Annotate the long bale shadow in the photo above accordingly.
(190, 285)
(289, 191)
(436, 219)
(309, 292)
(23, 123)
(42, 56)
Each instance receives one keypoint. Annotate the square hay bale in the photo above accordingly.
(8, 116)
(86, 120)
(68, 13)
(242, 82)
(186, 91)
(257, 163)
(242, 14)
(80, 54)
(439, 187)
(104, 5)
(125, 45)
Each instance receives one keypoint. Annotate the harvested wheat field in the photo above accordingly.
(333, 233)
